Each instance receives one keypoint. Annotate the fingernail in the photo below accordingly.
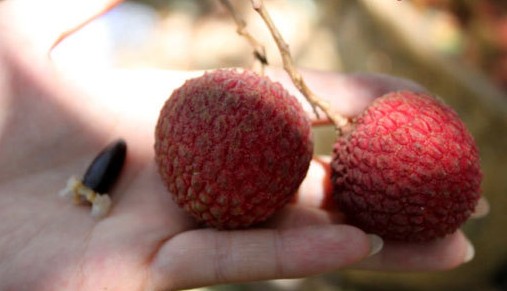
(376, 244)
(481, 209)
(470, 253)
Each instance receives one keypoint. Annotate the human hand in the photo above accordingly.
(49, 130)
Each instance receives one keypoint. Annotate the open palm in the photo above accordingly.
(50, 130)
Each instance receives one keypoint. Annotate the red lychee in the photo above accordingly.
(408, 169)
(232, 147)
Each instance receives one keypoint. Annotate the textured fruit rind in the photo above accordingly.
(408, 170)
(232, 147)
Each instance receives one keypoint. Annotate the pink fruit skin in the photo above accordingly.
(408, 169)
(232, 148)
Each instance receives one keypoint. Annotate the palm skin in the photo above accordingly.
(44, 142)
(50, 130)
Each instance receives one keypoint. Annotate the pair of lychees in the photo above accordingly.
(233, 147)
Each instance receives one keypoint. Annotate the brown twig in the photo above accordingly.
(316, 102)
(259, 50)
(107, 7)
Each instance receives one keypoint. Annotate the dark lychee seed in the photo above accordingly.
(106, 167)
(409, 170)
(232, 148)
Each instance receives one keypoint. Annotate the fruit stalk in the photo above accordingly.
(338, 120)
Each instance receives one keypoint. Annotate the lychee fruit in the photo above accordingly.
(232, 147)
(407, 169)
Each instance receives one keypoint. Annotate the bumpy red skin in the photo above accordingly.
(408, 170)
(232, 147)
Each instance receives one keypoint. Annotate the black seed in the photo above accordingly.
(106, 167)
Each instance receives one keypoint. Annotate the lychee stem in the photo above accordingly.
(259, 50)
(338, 120)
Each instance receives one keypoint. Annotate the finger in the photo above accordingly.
(316, 189)
(440, 254)
(293, 215)
(206, 257)
(481, 209)
(41, 24)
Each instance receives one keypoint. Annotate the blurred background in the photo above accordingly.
(455, 48)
